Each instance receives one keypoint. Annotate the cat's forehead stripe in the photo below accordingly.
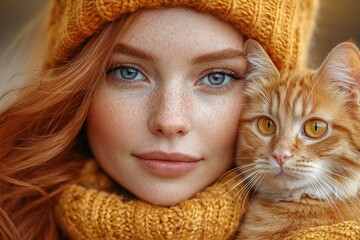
(275, 105)
(283, 96)
(296, 101)
(293, 97)
(309, 108)
(298, 108)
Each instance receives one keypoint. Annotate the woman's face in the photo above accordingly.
(163, 123)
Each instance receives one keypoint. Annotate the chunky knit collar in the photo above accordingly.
(92, 209)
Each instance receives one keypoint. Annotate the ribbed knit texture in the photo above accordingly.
(348, 230)
(86, 212)
(283, 27)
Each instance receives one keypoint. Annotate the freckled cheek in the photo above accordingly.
(222, 126)
(109, 120)
(100, 125)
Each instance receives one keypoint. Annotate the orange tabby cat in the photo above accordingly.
(299, 144)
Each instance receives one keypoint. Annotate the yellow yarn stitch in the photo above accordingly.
(85, 212)
(347, 230)
(283, 27)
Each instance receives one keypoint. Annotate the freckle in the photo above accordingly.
(152, 100)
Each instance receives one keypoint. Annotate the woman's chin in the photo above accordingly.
(167, 199)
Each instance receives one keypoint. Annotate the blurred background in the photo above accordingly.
(338, 20)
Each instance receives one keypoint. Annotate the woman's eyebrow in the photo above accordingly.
(125, 49)
(219, 55)
(229, 53)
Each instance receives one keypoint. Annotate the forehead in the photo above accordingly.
(180, 30)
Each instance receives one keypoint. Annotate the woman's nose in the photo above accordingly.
(170, 111)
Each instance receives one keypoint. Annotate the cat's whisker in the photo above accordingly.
(236, 198)
(249, 179)
(236, 169)
(230, 179)
(355, 204)
(239, 182)
(236, 174)
(249, 185)
(253, 178)
(335, 174)
(318, 193)
(315, 187)
(333, 188)
(245, 166)
(243, 180)
(329, 180)
(256, 182)
(328, 197)
(320, 189)
(243, 191)
(231, 171)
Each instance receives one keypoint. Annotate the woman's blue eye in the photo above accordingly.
(127, 73)
(216, 79)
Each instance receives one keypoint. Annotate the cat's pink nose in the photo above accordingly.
(281, 157)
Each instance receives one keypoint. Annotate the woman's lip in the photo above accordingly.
(168, 164)
(165, 168)
(158, 155)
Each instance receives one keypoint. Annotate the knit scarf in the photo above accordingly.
(92, 209)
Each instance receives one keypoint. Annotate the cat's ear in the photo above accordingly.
(260, 65)
(342, 66)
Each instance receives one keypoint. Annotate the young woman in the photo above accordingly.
(151, 91)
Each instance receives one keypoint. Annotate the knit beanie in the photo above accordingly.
(283, 27)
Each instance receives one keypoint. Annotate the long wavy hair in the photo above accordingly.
(42, 137)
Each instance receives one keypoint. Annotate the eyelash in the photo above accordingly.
(219, 88)
(113, 68)
(233, 75)
(228, 72)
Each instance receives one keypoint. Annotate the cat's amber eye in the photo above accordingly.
(315, 128)
(266, 126)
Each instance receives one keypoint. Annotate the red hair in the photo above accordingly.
(41, 137)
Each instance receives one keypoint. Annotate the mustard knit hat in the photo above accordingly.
(283, 27)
